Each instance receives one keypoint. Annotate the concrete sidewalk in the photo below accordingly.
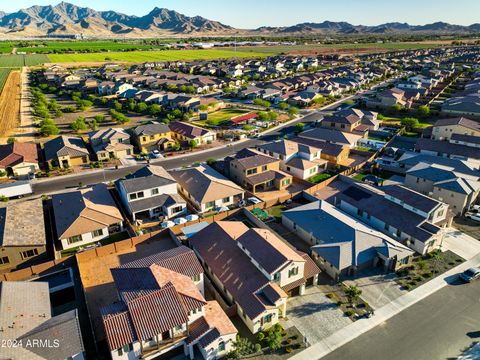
(350, 332)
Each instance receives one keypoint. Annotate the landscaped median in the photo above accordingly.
(348, 299)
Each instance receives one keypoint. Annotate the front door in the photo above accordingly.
(166, 335)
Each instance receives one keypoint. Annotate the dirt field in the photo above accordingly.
(10, 105)
(330, 51)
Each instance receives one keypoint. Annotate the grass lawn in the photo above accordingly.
(143, 56)
(222, 116)
(320, 177)
(109, 240)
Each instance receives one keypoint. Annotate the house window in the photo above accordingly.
(276, 277)
(288, 168)
(4, 260)
(226, 200)
(178, 327)
(196, 278)
(209, 204)
(267, 318)
(29, 253)
(97, 233)
(133, 196)
(313, 170)
(140, 195)
(155, 191)
(74, 239)
(177, 209)
(252, 171)
(264, 168)
(286, 182)
(293, 272)
(125, 349)
(221, 346)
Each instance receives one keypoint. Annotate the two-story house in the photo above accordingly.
(352, 121)
(444, 129)
(152, 136)
(206, 189)
(256, 172)
(161, 308)
(113, 143)
(299, 160)
(185, 133)
(254, 269)
(151, 191)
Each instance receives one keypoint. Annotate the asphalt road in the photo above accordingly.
(439, 327)
(88, 178)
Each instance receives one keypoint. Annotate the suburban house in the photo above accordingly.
(27, 319)
(152, 136)
(85, 216)
(19, 159)
(456, 188)
(65, 152)
(353, 121)
(331, 136)
(206, 189)
(342, 245)
(299, 160)
(186, 133)
(333, 153)
(389, 98)
(113, 143)
(256, 172)
(22, 234)
(161, 308)
(254, 270)
(407, 216)
(467, 105)
(444, 129)
(462, 147)
(151, 191)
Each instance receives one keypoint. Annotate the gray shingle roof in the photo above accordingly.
(64, 146)
(148, 177)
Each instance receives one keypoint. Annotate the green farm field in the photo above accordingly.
(142, 56)
(3, 78)
(16, 61)
(92, 46)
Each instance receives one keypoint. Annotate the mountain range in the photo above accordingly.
(66, 18)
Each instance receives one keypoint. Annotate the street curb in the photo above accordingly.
(359, 327)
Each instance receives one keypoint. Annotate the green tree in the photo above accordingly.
(299, 127)
(48, 128)
(274, 339)
(283, 106)
(353, 293)
(141, 107)
(11, 140)
(424, 111)
(193, 144)
(292, 111)
(154, 109)
(409, 123)
(99, 118)
(211, 161)
(79, 124)
(93, 125)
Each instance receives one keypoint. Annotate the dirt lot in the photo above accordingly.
(97, 279)
(10, 105)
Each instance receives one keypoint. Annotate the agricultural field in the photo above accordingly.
(16, 61)
(91, 46)
(3, 78)
(10, 103)
(142, 56)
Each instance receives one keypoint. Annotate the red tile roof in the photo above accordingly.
(242, 118)
(16, 153)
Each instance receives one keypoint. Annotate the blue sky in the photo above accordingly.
(254, 13)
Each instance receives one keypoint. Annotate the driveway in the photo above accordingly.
(377, 289)
(314, 315)
(460, 243)
(128, 161)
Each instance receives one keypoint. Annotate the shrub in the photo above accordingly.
(288, 349)
(422, 265)
(339, 303)
(427, 275)
(289, 341)
(258, 347)
(3, 198)
(330, 295)
(407, 287)
(348, 313)
(420, 278)
(260, 336)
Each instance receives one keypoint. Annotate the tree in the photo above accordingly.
(263, 103)
(93, 125)
(242, 347)
(211, 161)
(274, 339)
(397, 107)
(283, 106)
(292, 111)
(353, 293)
(154, 109)
(99, 118)
(141, 107)
(299, 127)
(79, 124)
(48, 128)
(193, 144)
(203, 107)
(409, 123)
(11, 140)
(423, 111)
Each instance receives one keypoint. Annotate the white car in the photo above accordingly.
(472, 216)
(475, 208)
(156, 154)
(254, 200)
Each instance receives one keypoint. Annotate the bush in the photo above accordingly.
(330, 295)
(260, 336)
(288, 349)
(407, 286)
(427, 275)
(258, 348)
(348, 313)
(339, 303)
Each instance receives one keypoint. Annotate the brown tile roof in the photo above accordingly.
(188, 130)
(16, 153)
(249, 158)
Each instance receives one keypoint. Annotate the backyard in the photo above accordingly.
(221, 117)
(320, 177)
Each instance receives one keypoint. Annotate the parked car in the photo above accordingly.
(156, 154)
(470, 274)
(254, 200)
(472, 216)
(475, 208)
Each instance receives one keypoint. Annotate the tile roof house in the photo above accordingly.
(299, 160)
(22, 233)
(457, 189)
(19, 158)
(331, 137)
(27, 318)
(151, 191)
(352, 120)
(333, 153)
(65, 151)
(254, 269)
(112, 143)
(85, 216)
(444, 129)
(152, 136)
(256, 172)
(206, 189)
(342, 245)
(407, 216)
(184, 132)
(160, 308)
